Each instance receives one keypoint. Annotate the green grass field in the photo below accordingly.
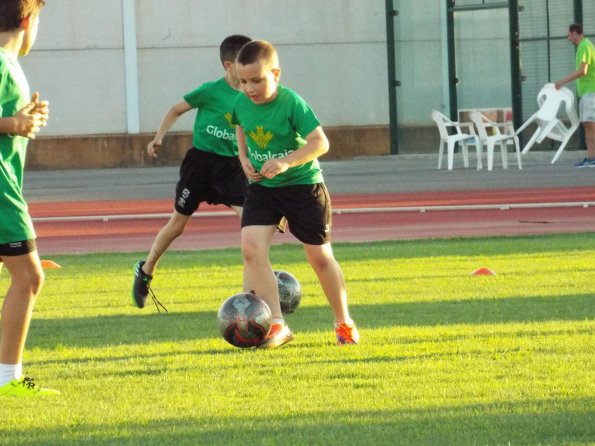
(446, 358)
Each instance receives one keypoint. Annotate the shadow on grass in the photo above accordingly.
(147, 328)
(525, 422)
(478, 311)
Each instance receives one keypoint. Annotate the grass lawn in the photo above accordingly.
(445, 358)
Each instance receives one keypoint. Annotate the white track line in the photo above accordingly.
(338, 211)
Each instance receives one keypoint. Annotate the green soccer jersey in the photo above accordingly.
(213, 131)
(15, 222)
(585, 53)
(274, 130)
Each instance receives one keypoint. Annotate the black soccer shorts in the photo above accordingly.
(209, 177)
(17, 248)
(307, 208)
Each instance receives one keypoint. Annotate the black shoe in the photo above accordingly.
(141, 288)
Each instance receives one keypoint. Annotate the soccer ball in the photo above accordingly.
(290, 291)
(244, 320)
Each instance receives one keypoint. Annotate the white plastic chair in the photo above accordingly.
(549, 124)
(450, 141)
(492, 133)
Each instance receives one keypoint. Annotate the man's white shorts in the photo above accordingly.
(586, 107)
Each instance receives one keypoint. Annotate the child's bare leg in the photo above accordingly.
(238, 210)
(172, 230)
(331, 279)
(26, 282)
(256, 241)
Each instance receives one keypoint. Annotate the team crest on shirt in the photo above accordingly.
(228, 118)
(261, 138)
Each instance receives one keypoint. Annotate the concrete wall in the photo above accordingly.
(77, 64)
(332, 52)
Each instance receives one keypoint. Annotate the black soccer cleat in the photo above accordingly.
(141, 288)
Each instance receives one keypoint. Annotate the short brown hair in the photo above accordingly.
(231, 45)
(12, 12)
(576, 28)
(258, 51)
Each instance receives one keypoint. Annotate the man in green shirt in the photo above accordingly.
(585, 86)
(279, 142)
(20, 119)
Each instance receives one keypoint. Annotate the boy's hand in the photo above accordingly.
(41, 107)
(273, 167)
(249, 170)
(29, 119)
(152, 148)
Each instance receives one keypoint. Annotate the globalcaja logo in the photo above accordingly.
(221, 134)
(261, 138)
(263, 157)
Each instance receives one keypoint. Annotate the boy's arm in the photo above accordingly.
(316, 145)
(168, 120)
(249, 170)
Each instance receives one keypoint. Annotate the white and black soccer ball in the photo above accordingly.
(290, 291)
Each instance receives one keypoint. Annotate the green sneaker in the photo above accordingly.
(25, 387)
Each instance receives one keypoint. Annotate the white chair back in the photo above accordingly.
(549, 120)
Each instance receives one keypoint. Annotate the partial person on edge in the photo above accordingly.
(585, 86)
(22, 116)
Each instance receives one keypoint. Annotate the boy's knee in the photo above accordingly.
(251, 251)
(29, 284)
(36, 282)
(35, 277)
(320, 263)
(248, 251)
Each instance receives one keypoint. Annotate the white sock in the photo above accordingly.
(277, 320)
(8, 372)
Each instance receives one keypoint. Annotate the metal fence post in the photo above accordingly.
(391, 61)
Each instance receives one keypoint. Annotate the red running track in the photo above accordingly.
(126, 226)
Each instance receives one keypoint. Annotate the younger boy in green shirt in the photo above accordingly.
(279, 142)
(20, 119)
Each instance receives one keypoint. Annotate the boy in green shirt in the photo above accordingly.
(279, 142)
(210, 171)
(20, 119)
(585, 86)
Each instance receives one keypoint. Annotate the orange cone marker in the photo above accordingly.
(483, 272)
(49, 264)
